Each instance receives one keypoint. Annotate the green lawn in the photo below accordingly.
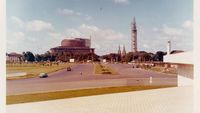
(15, 99)
(101, 69)
(32, 70)
(161, 69)
(98, 69)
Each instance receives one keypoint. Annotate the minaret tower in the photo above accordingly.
(168, 47)
(124, 51)
(134, 36)
(119, 51)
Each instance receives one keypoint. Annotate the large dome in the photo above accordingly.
(77, 42)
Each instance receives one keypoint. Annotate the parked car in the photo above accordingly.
(43, 75)
(69, 69)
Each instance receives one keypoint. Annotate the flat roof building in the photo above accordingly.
(13, 57)
(184, 61)
(74, 46)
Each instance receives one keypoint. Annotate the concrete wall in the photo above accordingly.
(185, 67)
(185, 75)
(196, 34)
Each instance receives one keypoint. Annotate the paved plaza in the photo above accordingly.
(166, 100)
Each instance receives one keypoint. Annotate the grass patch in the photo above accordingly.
(161, 69)
(100, 69)
(15, 99)
(111, 70)
(32, 70)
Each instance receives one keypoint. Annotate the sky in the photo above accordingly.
(38, 25)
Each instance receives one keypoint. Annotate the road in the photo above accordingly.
(128, 71)
(68, 80)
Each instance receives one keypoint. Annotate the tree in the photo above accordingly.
(159, 56)
(38, 57)
(28, 56)
(48, 56)
(129, 57)
(24, 56)
(135, 55)
(145, 56)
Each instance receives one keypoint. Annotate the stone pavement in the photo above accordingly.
(166, 100)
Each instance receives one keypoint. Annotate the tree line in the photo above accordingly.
(141, 56)
(62, 56)
(65, 56)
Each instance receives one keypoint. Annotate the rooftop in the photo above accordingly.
(180, 58)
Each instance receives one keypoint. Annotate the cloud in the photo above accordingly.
(73, 33)
(14, 40)
(29, 41)
(121, 1)
(102, 39)
(54, 34)
(18, 35)
(66, 12)
(180, 36)
(72, 13)
(17, 21)
(33, 25)
(169, 31)
(19, 42)
(155, 29)
(87, 30)
(15, 37)
(188, 24)
(88, 18)
(145, 45)
(38, 25)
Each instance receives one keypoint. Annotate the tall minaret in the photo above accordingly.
(134, 36)
(119, 51)
(124, 51)
(168, 47)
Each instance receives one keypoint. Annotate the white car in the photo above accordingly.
(43, 75)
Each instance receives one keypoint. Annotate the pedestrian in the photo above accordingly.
(150, 80)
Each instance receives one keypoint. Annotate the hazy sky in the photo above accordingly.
(38, 25)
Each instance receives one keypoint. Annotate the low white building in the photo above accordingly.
(184, 62)
(13, 57)
(71, 60)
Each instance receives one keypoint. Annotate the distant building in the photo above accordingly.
(119, 51)
(13, 57)
(168, 47)
(183, 61)
(124, 51)
(74, 46)
(169, 51)
(134, 36)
